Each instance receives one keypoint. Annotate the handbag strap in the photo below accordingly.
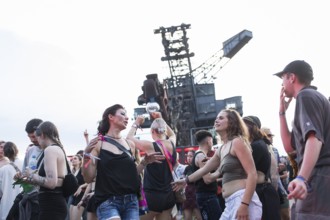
(15, 167)
(66, 160)
(119, 146)
(167, 153)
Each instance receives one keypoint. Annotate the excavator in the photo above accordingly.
(187, 99)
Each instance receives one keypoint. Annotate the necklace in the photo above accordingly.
(118, 138)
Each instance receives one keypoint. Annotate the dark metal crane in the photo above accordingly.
(187, 104)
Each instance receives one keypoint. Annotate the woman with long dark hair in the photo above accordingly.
(52, 169)
(117, 180)
(190, 206)
(262, 160)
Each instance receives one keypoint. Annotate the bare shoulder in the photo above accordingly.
(199, 156)
(239, 144)
(53, 149)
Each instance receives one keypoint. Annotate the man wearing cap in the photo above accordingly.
(310, 137)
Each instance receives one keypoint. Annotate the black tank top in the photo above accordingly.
(42, 172)
(261, 156)
(201, 186)
(116, 175)
(157, 176)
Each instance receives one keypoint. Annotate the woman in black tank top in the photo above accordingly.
(112, 158)
(52, 169)
(157, 176)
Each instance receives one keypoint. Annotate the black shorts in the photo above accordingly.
(91, 207)
(159, 201)
(77, 199)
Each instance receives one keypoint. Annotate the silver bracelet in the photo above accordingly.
(30, 178)
(144, 162)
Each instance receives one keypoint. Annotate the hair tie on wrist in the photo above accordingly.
(244, 203)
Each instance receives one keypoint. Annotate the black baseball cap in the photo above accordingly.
(253, 119)
(300, 68)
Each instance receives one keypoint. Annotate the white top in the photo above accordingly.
(32, 151)
(7, 173)
(179, 170)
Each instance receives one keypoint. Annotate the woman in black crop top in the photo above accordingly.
(52, 170)
(262, 160)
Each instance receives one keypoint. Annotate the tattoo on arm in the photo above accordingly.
(41, 180)
(50, 175)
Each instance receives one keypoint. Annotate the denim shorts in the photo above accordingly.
(125, 207)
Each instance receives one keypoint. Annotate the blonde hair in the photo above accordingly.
(159, 125)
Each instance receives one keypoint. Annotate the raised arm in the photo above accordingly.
(91, 156)
(284, 128)
(142, 145)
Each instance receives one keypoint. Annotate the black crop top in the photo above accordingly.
(201, 186)
(261, 156)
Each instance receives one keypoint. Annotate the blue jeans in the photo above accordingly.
(125, 207)
(209, 205)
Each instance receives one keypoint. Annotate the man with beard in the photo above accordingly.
(26, 203)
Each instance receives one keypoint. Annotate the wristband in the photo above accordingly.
(187, 180)
(281, 113)
(309, 188)
(89, 155)
(136, 126)
(244, 203)
(301, 178)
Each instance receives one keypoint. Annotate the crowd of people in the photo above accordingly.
(236, 172)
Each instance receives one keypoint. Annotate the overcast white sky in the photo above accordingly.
(66, 61)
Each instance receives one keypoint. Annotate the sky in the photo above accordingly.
(67, 61)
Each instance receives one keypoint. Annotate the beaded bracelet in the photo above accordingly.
(309, 188)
